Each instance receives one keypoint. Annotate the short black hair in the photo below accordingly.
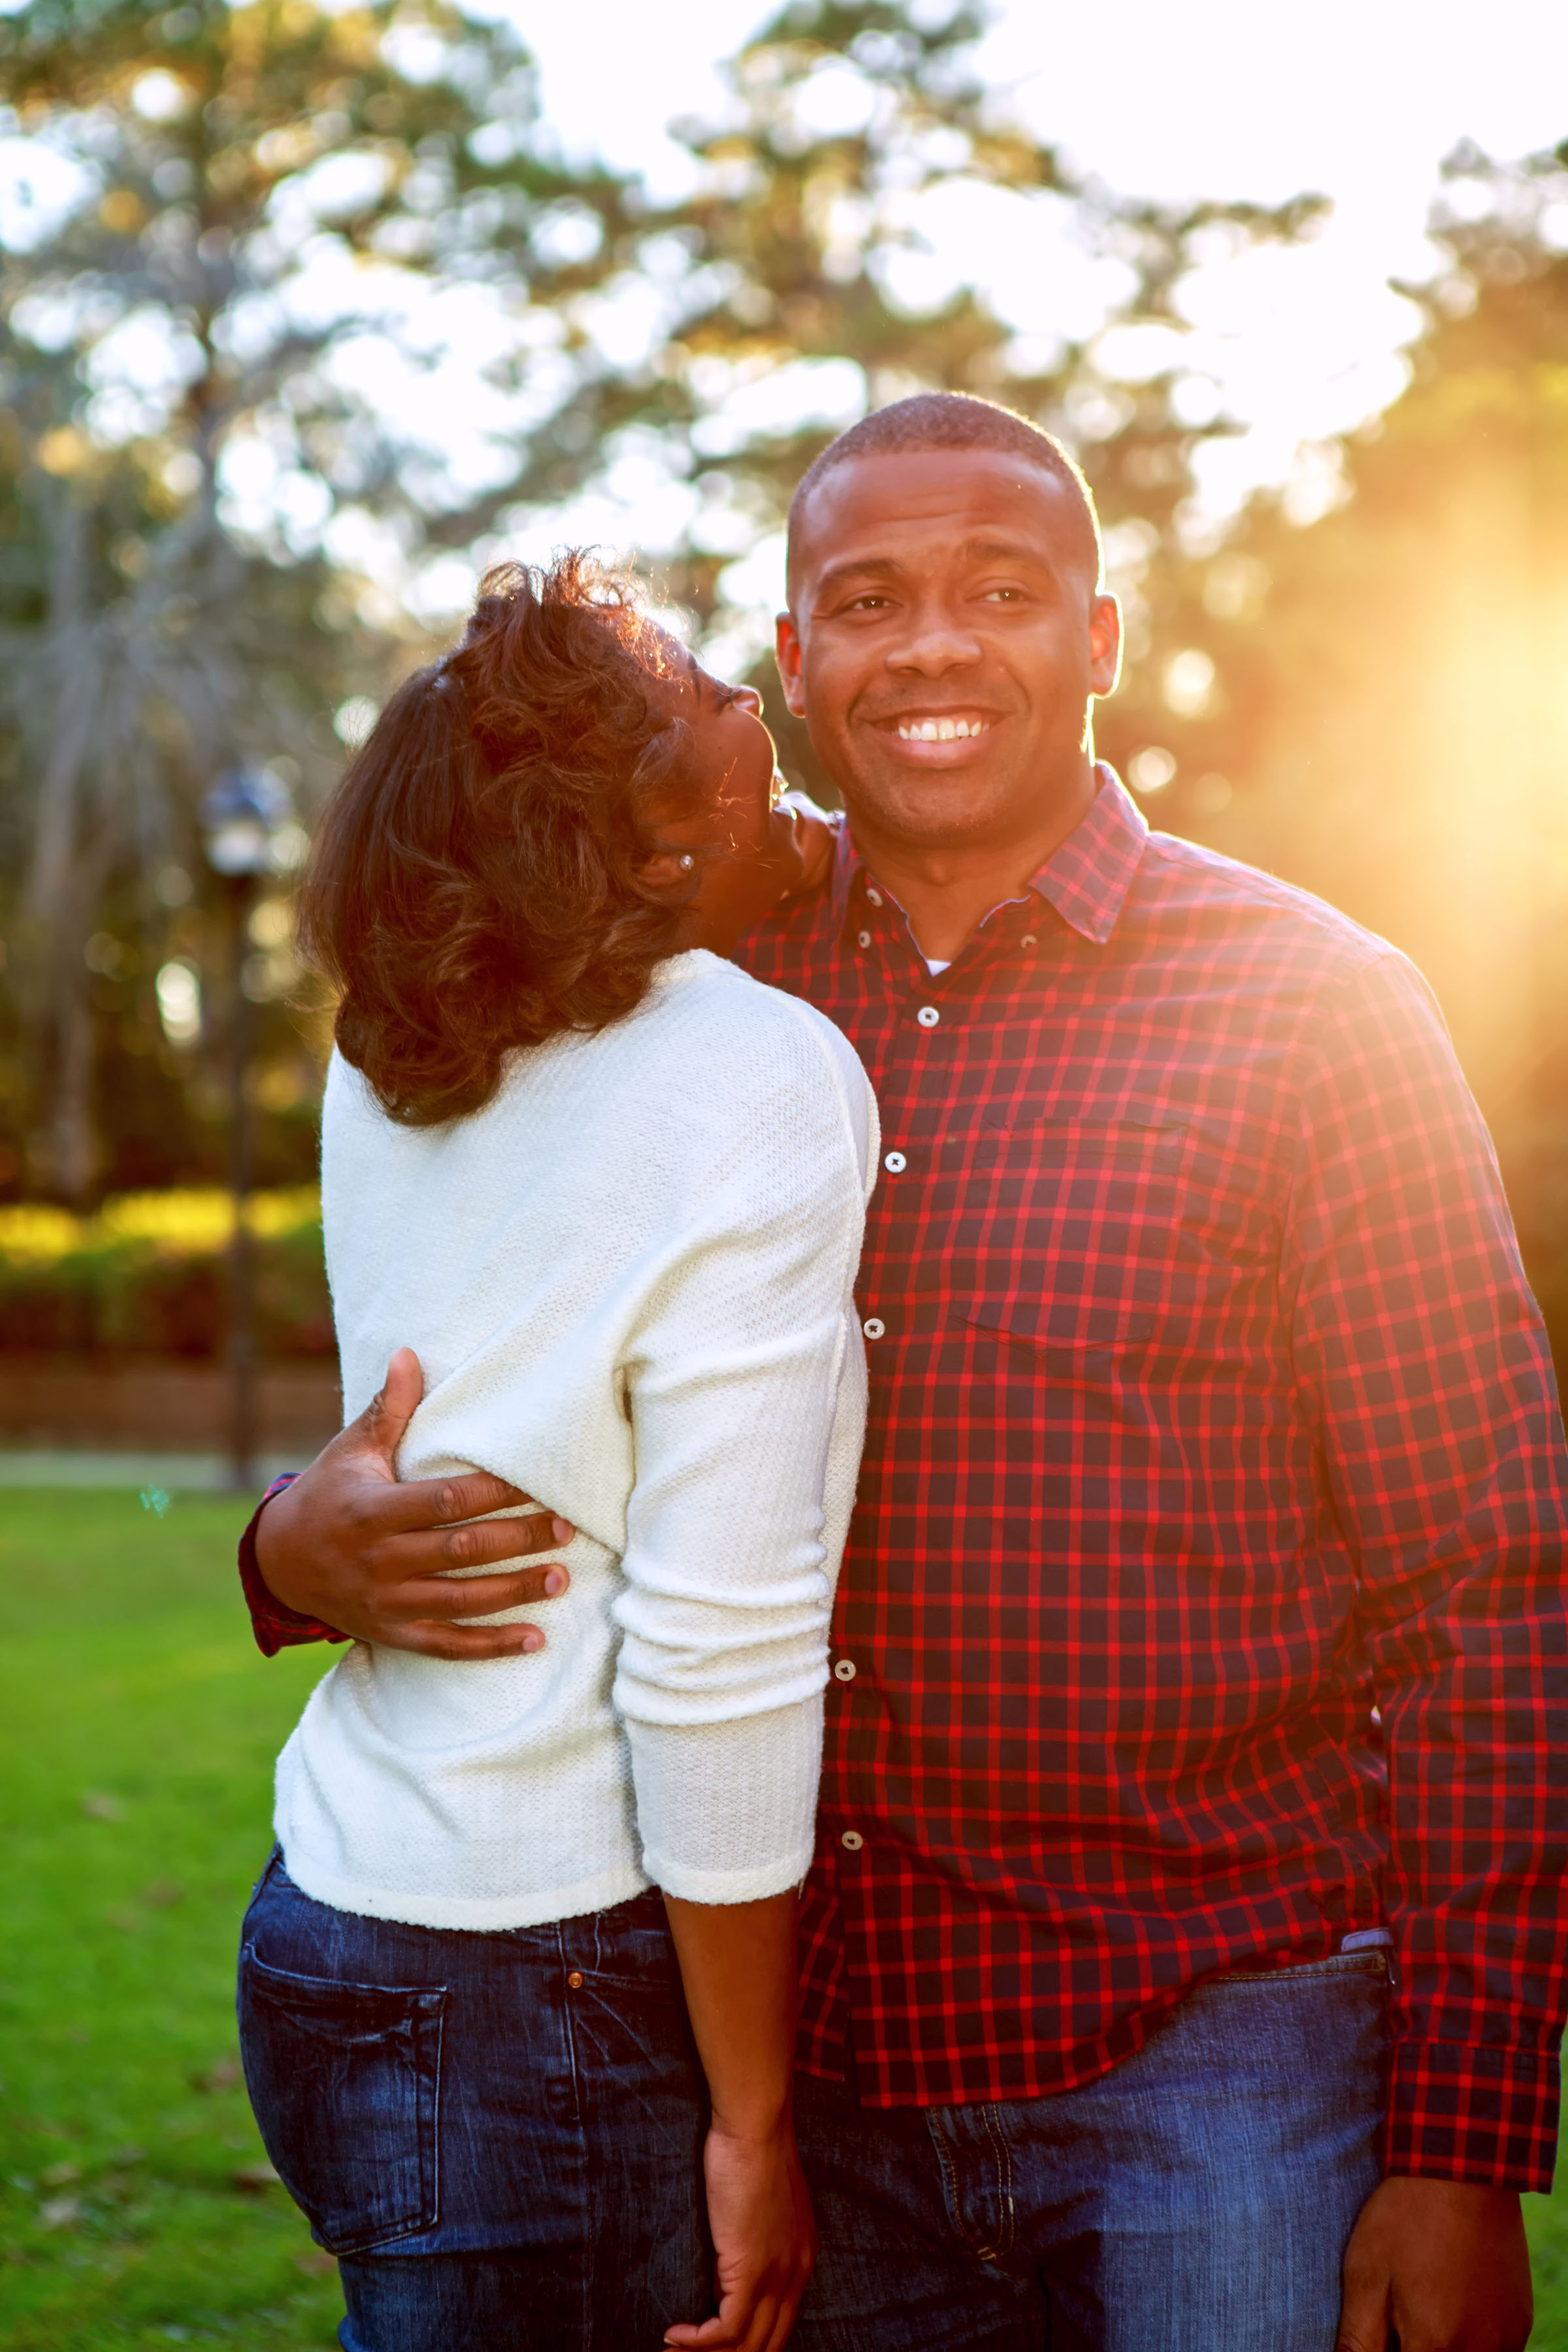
(951, 420)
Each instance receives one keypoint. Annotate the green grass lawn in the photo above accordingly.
(138, 1727)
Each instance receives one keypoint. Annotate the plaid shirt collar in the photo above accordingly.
(1086, 878)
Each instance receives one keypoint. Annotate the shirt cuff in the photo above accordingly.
(1462, 2113)
(274, 1625)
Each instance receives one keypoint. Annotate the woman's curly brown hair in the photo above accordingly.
(474, 881)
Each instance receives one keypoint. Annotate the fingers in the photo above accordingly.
(784, 2324)
(390, 1410)
(744, 2324)
(713, 2336)
(427, 1616)
(740, 2326)
(447, 1600)
(426, 1502)
(763, 2327)
(722, 2333)
(1363, 2316)
(430, 1640)
(402, 1559)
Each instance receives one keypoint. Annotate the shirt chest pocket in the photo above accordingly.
(1107, 1236)
(1062, 1229)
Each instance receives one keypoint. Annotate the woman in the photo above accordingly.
(612, 1192)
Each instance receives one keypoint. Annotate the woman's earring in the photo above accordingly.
(686, 863)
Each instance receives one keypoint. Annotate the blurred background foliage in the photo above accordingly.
(146, 1276)
(206, 555)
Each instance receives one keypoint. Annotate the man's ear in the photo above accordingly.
(786, 653)
(1104, 644)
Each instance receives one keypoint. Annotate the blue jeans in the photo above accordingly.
(499, 2136)
(1195, 2198)
(524, 2113)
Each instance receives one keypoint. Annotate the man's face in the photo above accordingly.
(945, 641)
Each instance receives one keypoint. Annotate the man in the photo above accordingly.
(1200, 1634)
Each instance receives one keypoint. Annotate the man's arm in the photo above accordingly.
(344, 1550)
(1423, 1357)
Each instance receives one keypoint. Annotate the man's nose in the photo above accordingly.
(750, 700)
(936, 645)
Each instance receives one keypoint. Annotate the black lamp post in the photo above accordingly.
(243, 819)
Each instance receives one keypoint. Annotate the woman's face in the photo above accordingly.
(745, 851)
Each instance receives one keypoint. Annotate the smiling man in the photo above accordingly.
(1184, 1935)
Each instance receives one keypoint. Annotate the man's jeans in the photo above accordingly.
(1195, 2198)
(499, 2136)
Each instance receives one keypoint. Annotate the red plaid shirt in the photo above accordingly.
(1203, 1600)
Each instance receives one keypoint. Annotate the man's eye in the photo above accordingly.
(1004, 595)
(869, 603)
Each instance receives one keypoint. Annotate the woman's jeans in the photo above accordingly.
(524, 2110)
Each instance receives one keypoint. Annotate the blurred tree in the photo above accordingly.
(262, 237)
(1385, 716)
(259, 236)
(241, 248)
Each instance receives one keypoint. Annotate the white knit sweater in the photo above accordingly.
(629, 1281)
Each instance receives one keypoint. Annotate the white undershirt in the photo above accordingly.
(937, 964)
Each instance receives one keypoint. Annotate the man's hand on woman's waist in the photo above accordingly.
(349, 1546)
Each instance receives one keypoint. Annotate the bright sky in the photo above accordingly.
(1359, 99)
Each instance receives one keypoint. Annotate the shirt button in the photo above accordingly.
(873, 897)
(863, 938)
(1028, 941)
(928, 1016)
(873, 1327)
(852, 1841)
(895, 1163)
(575, 1980)
(844, 1671)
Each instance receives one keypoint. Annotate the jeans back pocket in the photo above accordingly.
(345, 2080)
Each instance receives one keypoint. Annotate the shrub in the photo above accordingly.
(148, 1275)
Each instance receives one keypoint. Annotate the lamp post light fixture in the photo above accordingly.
(247, 830)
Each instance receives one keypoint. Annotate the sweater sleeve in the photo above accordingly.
(744, 1384)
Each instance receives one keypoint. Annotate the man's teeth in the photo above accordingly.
(939, 730)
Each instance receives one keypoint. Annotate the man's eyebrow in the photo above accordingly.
(859, 567)
(973, 551)
(1006, 551)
